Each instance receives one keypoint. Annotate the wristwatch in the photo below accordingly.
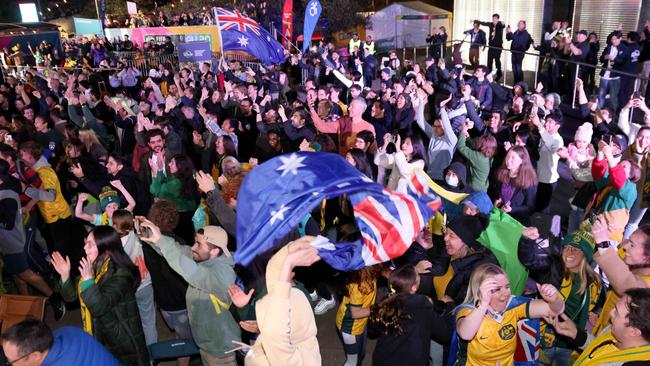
(603, 245)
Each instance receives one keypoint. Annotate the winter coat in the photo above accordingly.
(114, 313)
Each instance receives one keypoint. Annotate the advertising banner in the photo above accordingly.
(87, 26)
(139, 36)
(194, 52)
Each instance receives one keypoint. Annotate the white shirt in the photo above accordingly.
(548, 159)
(613, 51)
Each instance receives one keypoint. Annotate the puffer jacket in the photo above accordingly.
(114, 313)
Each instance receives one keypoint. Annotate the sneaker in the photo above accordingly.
(58, 306)
(324, 306)
(314, 296)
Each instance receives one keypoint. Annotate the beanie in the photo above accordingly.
(107, 197)
(584, 132)
(469, 228)
(583, 240)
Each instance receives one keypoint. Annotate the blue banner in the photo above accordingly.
(312, 13)
(194, 52)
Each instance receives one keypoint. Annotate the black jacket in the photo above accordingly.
(521, 41)
(522, 202)
(496, 33)
(420, 324)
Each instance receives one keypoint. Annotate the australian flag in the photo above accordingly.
(276, 196)
(241, 33)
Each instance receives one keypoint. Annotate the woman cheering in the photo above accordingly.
(106, 292)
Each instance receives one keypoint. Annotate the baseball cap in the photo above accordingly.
(215, 235)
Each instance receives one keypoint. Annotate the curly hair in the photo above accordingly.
(164, 214)
(388, 314)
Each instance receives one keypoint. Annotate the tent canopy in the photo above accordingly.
(406, 24)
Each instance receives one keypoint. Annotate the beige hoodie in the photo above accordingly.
(286, 322)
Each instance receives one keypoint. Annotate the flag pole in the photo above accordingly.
(216, 20)
(291, 43)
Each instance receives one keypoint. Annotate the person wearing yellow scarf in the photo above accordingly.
(106, 292)
(623, 343)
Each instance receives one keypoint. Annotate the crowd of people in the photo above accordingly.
(119, 192)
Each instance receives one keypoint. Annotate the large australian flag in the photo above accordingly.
(241, 33)
(276, 196)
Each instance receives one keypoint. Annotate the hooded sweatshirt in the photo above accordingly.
(208, 302)
(286, 322)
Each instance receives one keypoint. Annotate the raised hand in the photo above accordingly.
(548, 292)
(205, 182)
(86, 269)
(239, 297)
(61, 266)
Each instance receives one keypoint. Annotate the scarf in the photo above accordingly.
(86, 320)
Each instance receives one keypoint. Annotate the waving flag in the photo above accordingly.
(241, 33)
(312, 13)
(277, 195)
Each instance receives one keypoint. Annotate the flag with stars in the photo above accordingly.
(241, 33)
(276, 196)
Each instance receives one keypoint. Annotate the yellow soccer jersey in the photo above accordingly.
(344, 321)
(495, 340)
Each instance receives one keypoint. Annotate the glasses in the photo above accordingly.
(10, 363)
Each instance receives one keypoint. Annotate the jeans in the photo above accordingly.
(354, 347)
(560, 355)
(494, 55)
(517, 71)
(474, 57)
(147, 310)
(179, 322)
(636, 215)
(611, 87)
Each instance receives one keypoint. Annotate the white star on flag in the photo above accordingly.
(279, 214)
(291, 164)
(243, 41)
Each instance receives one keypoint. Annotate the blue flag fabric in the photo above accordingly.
(276, 196)
(312, 13)
(241, 33)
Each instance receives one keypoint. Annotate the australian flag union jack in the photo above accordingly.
(277, 195)
(241, 33)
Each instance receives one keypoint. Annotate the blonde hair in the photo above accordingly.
(480, 274)
(586, 274)
(88, 137)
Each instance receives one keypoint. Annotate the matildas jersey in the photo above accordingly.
(496, 339)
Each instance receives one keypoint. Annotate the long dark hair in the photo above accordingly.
(109, 244)
(388, 314)
(185, 174)
(419, 152)
(361, 161)
(229, 148)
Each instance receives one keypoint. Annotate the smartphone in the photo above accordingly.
(636, 95)
(140, 229)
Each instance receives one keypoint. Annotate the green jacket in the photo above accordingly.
(169, 187)
(213, 326)
(477, 164)
(114, 313)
